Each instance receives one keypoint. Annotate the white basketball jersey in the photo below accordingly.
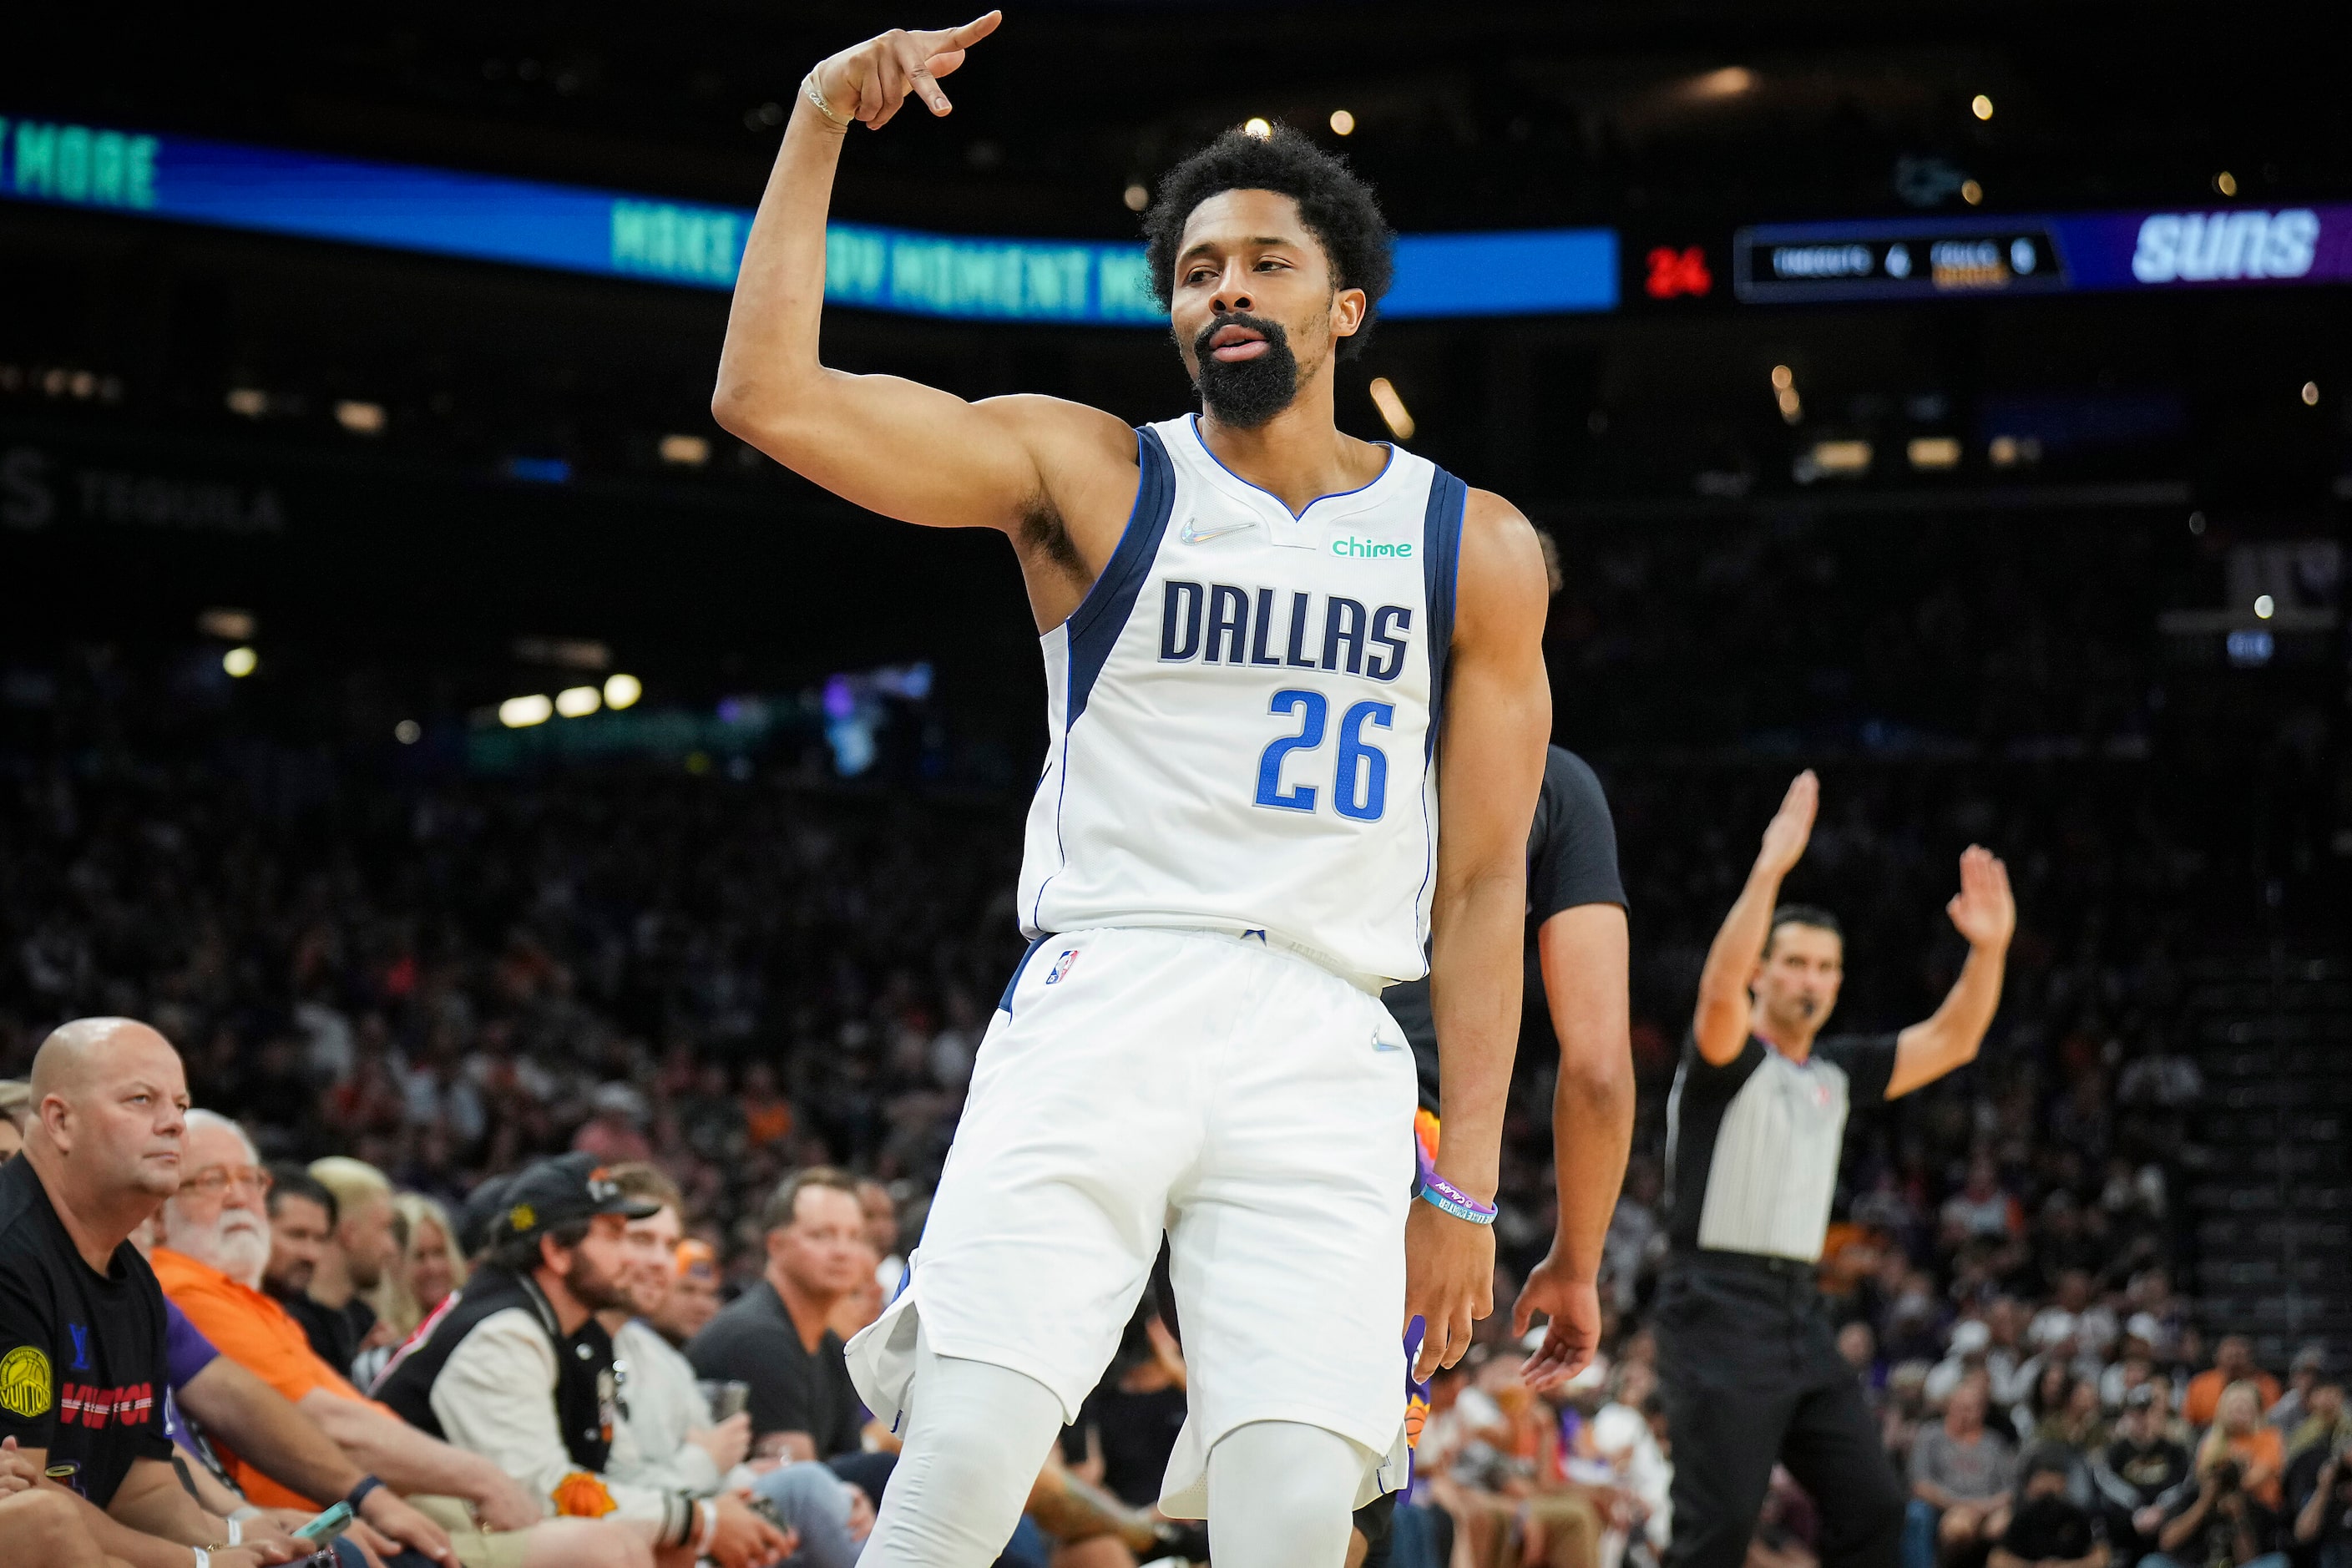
(1243, 716)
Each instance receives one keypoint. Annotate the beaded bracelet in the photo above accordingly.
(1439, 1193)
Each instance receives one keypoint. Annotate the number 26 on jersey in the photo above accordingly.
(1359, 770)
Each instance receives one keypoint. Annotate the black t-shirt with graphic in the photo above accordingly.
(1571, 861)
(82, 1368)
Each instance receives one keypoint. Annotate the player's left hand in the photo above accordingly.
(1574, 1307)
(1449, 1282)
(1983, 910)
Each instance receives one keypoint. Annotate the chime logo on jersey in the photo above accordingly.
(1062, 966)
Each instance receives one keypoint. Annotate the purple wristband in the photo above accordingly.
(1439, 1193)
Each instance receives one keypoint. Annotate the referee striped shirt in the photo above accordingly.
(1752, 1146)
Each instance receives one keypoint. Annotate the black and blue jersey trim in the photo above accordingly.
(1095, 626)
(1004, 1002)
(1441, 552)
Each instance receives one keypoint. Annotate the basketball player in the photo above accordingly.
(1250, 622)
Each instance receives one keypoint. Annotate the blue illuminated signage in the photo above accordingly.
(613, 234)
(1954, 256)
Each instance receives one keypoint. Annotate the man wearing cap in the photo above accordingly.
(520, 1370)
(2143, 1473)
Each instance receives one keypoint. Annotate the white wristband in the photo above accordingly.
(235, 1531)
(203, 1558)
(709, 1531)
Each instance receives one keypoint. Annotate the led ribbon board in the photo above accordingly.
(1951, 258)
(613, 234)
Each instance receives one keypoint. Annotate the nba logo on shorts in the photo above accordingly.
(1061, 966)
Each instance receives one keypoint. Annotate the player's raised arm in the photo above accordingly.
(1721, 1025)
(892, 446)
(1490, 770)
(1985, 913)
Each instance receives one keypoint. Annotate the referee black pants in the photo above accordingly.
(1749, 1366)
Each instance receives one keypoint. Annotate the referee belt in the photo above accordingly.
(1786, 1270)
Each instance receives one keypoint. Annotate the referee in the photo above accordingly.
(1745, 1351)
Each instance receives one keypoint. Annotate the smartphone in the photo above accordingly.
(733, 1395)
(325, 1526)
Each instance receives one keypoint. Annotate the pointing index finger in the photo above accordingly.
(940, 40)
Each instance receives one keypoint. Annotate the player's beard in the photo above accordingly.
(1245, 393)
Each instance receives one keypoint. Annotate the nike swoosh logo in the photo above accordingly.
(1194, 533)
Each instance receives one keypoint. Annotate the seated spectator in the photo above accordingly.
(2144, 1475)
(333, 1309)
(616, 1132)
(15, 1095)
(774, 1335)
(1967, 1357)
(1960, 1474)
(288, 1447)
(1982, 1210)
(2319, 1490)
(675, 1441)
(83, 1367)
(2326, 1425)
(518, 1371)
(2302, 1373)
(693, 1298)
(2046, 1528)
(426, 1268)
(2221, 1527)
(2238, 1437)
(2078, 1425)
(1127, 1428)
(2233, 1361)
(214, 1240)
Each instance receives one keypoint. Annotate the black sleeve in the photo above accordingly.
(1867, 1061)
(29, 1335)
(1572, 855)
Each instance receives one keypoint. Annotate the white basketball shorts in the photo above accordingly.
(1252, 1104)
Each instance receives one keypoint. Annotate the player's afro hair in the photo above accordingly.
(1338, 208)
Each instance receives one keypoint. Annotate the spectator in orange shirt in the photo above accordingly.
(216, 1240)
(2233, 1361)
(2239, 1433)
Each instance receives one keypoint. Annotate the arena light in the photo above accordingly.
(1846, 457)
(578, 701)
(1934, 452)
(1138, 196)
(360, 418)
(1972, 193)
(229, 625)
(250, 401)
(2265, 606)
(1784, 394)
(1342, 122)
(1257, 125)
(685, 452)
(522, 713)
(2226, 183)
(622, 690)
(1394, 412)
(1980, 106)
(408, 731)
(1729, 82)
(240, 662)
(2311, 395)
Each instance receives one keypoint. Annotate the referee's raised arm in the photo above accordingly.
(1719, 1026)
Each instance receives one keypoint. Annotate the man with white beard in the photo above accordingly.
(217, 1242)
